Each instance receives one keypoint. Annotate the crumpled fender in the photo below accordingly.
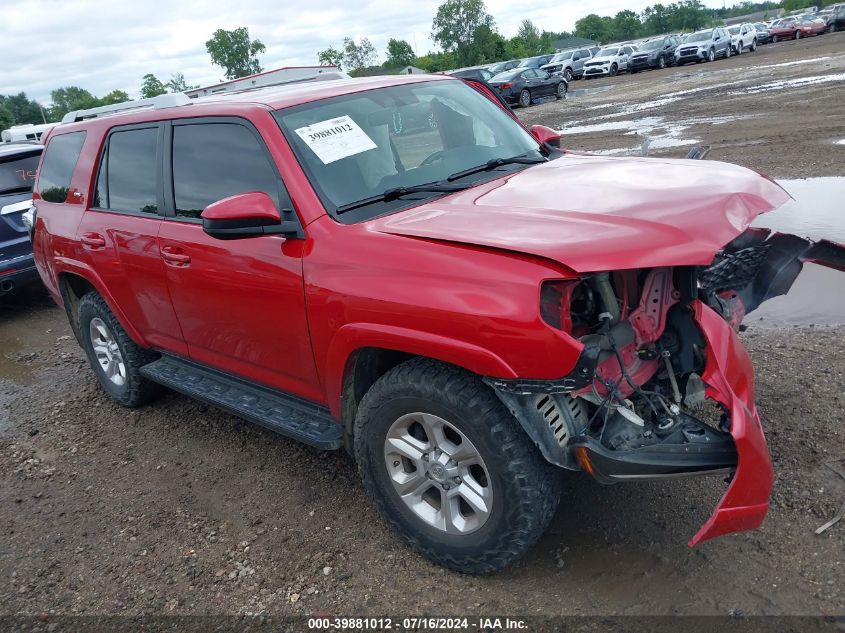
(729, 377)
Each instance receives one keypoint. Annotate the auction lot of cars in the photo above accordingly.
(179, 508)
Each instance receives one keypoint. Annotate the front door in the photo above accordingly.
(240, 303)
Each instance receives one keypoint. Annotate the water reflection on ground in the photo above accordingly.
(818, 296)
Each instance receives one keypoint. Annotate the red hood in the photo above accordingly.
(594, 213)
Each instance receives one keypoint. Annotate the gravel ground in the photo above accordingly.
(178, 508)
(737, 107)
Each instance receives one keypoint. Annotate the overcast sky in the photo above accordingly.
(111, 44)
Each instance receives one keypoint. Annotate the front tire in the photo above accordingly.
(115, 358)
(661, 62)
(450, 469)
(711, 55)
(775, 39)
(567, 74)
(797, 35)
(524, 98)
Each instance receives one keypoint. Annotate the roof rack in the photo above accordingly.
(161, 101)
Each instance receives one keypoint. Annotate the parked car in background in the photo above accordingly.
(476, 72)
(743, 36)
(609, 61)
(25, 132)
(523, 86)
(534, 62)
(763, 36)
(568, 63)
(837, 20)
(704, 46)
(18, 165)
(785, 29)
(503, 66)
(657, 52)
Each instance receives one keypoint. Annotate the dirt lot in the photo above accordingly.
(779, 110)
(177, 508)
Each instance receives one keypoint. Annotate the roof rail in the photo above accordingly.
(161, 101)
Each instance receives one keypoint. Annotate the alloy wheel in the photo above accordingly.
(438, 473)
(107, 352)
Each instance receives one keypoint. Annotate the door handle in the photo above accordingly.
(174, 257)
(93, 241)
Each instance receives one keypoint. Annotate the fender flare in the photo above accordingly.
(74, 267)
(355, 336)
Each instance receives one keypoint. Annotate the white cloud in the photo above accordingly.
(103, 46)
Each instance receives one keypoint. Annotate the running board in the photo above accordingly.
(295, 418)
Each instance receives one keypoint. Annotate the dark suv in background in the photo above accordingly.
(658, 52)
(18, 164)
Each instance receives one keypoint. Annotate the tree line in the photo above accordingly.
(463, 29)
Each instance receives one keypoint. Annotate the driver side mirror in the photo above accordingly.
(545, 135)
(247, 215)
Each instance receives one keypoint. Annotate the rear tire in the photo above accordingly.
(114, 357)
(524, 98)
(753, 45)
(797, 35)
(422, 405)
(561, 90)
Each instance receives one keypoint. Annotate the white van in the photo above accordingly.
(26, 132)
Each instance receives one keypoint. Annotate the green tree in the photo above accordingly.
(235, 52)
(7, 119)
(358, 55)
(152, 87)
(399, 54)
(436, 62)
(530, 37)
(626, 26)
(23, 109)
(594, 27)
(487, 45)
(115, 96)
(454, 25)
(656, 20)
(331, 57)
(71, 98)
(687, 15)
(177, 83)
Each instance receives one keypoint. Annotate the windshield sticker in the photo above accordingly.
(335, 139)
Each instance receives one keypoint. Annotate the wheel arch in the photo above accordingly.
(360, 353)
(74, 283)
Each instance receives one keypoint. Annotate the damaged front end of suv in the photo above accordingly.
(663, 387)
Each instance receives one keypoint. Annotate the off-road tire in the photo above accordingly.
(137, 390)
(525, 487)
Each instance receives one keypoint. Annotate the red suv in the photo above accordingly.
(397, 266)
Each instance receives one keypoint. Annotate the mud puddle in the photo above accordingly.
(816, 298)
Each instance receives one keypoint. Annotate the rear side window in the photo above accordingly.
(59, 163)
(127, 176)
(18, 173)
(212, 161)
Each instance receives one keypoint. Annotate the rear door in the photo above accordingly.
(119, 232)
(240, 302)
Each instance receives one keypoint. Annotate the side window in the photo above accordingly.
(212, 161)
(126, 180)
(59, 163)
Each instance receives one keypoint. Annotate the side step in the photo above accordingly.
(298, 419)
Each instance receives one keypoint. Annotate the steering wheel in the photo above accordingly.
(433, 158)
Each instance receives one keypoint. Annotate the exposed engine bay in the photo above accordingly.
(661, 389)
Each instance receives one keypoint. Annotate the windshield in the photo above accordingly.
(359, 145)
(18, 174)
(760, 27)
(653, 45)
(734, 30)
(531, 62)
(701, 36)
(607, 52)
(561, 56)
